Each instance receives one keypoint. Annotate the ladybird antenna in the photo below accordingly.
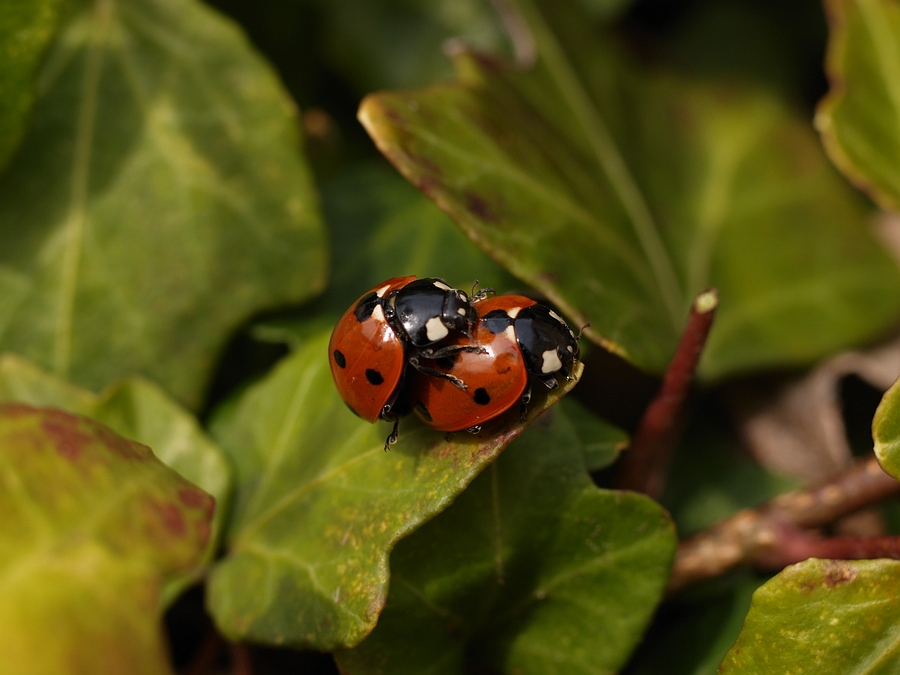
(582, 329)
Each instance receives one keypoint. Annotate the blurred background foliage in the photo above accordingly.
(357, 221)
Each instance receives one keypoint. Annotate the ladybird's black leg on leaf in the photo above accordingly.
(524, 401)
(393, 436)
(549, 381)
(431, 372)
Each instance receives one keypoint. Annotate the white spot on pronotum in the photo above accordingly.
(551, 362)
(513, 313)
(378, 314)
(510, 333)
(556, 316)
(442, 286)
(381, 291)
(435, 330)
(461, 311)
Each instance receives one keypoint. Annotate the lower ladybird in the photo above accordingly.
(520, 341)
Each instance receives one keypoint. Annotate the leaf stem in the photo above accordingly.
(645, 465)
(770, 535)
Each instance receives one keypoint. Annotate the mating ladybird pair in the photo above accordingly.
(456, 361)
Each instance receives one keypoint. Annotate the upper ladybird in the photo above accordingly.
(400, 321)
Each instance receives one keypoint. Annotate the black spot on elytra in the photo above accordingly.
(481, 396)
(366, 306)
(374, 377)
(339, 359)
(497, 321)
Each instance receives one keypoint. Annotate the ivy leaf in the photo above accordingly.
(823, 617)
(860, 118)
(158, 199)
(886, 431)
(26, 28)
(93, 524)
(139, 410)
(622, 194)
(532, 570)
(319, 505)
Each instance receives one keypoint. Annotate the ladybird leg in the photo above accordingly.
(431, 372)
(549, 381)
(524, 401)
(393, 436)
(435, 354)
(480, 295)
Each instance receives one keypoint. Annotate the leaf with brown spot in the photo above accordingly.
(622, 193)
(533, 570)
(139, 410)
(822, 617)
(319, 505)
(93, 526)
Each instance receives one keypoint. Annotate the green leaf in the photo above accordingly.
(822, 617)
(319, 504)
(860, 118)
(600, 442)
(396, 231)
(139, 410)
(886, 431)
(622, 194)
(390, 43)
(532, 570)
(92, 526)
(26, 28)
(159, 198)
(382, 227)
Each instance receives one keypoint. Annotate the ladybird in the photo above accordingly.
(520, 340)
(398, 322)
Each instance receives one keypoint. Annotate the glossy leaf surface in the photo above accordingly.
(621, 194)
(26, 28)
(860, 117)
(319, 504)
(139, 410)
(158, 199)
(93, 524)
(825, 617)
(532, 570)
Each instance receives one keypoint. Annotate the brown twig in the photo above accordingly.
(771, 536)
(207, 655)
(645, 465)
(241, 663)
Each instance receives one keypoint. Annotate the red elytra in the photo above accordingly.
(366, 355)
(496, 378)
